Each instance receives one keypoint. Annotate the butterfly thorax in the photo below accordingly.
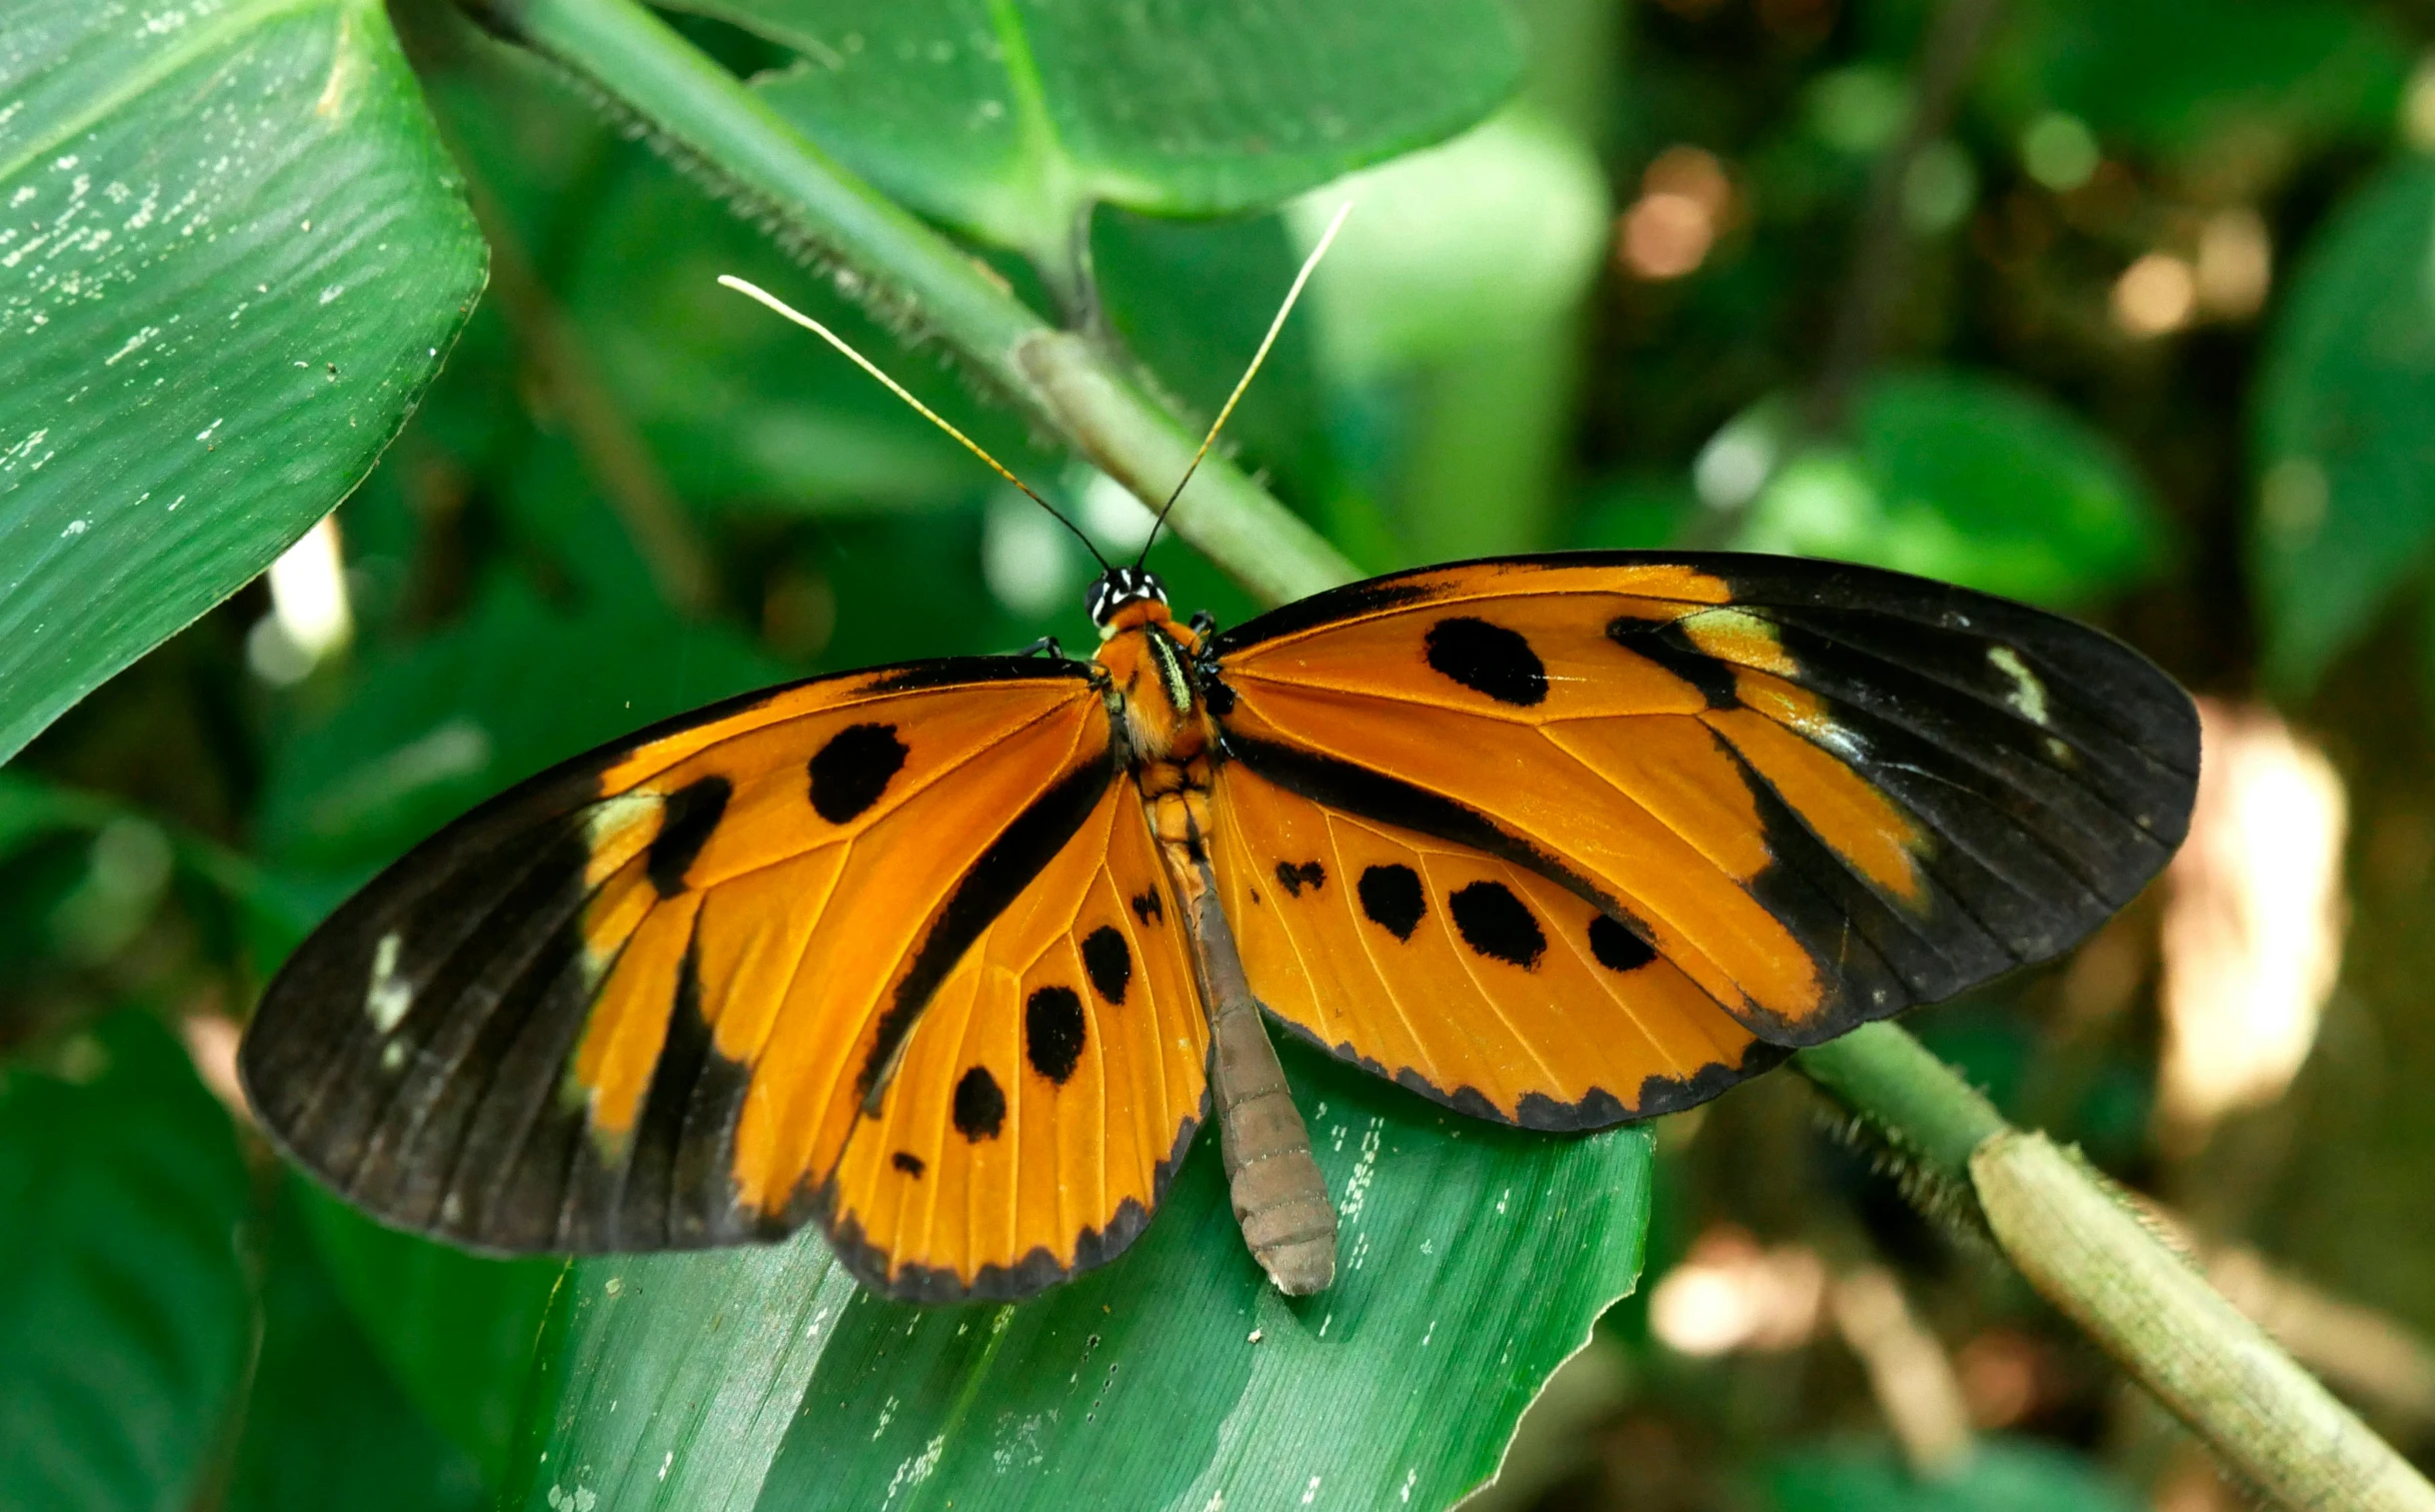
(1156, 699)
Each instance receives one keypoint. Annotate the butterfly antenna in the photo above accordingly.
(755, 291)
(1309, 265)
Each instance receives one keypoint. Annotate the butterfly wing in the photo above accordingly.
(645, 999)
(1048, 1092)
(1801, 796)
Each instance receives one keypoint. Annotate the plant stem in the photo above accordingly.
(692, 108)
(2091, 1255)
(2083, 1250)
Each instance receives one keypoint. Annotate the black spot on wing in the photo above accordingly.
(1148, 908)
(1618, 949)
(908, 1162)
(1108, 961)
(1497, 925)
(850, 771)
(1053, 1034)
(1372, 794)
(1488, 658)
(1003, 871)
(980, 1108)
(688, 816)
(1666, 642)
(1294, 878)
(1391, 898)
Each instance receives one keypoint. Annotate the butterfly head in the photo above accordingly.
(1122, 585)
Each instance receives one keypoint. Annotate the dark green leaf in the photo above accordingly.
(1955, 476)
(455, 1330)
(425, 730)
(236, 257)
(2004, 1475)
(2200, 77)
(324, 1425)
(1007, 118)
(125, 1318)
(1475, 1259)
(2346, 495)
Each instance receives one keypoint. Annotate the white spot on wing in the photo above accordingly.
(2028, 696)
(388, 996)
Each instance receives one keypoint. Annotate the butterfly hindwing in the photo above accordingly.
(1046, 1093)
(639, 1001)
(1465, 977)
(1823, 793)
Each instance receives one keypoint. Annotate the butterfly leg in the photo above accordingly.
(1280, 1199)
(1046, 646)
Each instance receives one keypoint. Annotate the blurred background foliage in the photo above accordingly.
(2123, 308)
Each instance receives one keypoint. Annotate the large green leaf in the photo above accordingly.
(231, 256)
(1005, 117)
(455, 1330)
(2346, 496)
(325, 1425)
(125, 1314)
(1475, 1259)
(1950, 475)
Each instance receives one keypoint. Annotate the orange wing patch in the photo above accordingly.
(1466, 978)
(1045, 1097)
(640, 1001)
(1824, 793)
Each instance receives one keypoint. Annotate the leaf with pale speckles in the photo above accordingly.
(232, 254)
(1473, 1260)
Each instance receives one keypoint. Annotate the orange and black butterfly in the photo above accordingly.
(954, 957)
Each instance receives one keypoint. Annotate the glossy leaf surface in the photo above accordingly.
(1008, 118)
(231, 257)
(1475, 1259)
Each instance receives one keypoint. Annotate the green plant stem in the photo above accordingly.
(2072, 1240)
(697, 111)
(2090, 1255)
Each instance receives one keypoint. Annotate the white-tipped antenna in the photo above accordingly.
(1309, 266)
(747, 287)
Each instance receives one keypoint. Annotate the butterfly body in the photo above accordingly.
(1157, 671)
(953, 957)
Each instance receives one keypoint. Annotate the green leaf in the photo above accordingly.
(2346, 496)
(423, 732)
(233, 256)
(457, 1330)
(743, 409)
(1007, 117)
(125, 1316)
(324, 1425)
(1955, 476)
(2207, 78)
(1475, 1259)
(2003, 1475)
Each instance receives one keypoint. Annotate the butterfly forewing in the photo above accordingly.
(1825, 794)
(643, 1000)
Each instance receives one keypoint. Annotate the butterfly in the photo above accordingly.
(954, 957)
